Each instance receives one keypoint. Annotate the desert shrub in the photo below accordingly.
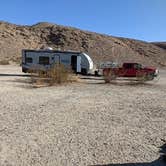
(57, 74)
(17, 60)
(4, 62)
(109, 76)
(143, 77)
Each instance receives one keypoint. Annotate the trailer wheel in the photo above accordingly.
(24, 70)
(84, 71)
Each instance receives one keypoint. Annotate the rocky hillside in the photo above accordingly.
(14, 38)
(160, 44)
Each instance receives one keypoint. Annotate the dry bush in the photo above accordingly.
(17, 60)
(143, 77)
(109, 76)
(4, 62)
(57, 74)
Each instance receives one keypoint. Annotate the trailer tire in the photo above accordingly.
(24, 70)
(84, 71)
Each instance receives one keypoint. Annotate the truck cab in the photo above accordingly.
(132, 70)
(136, 69)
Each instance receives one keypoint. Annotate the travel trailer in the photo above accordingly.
(43, 59)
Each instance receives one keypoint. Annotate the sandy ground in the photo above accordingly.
(89, 123)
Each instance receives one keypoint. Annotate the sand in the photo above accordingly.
(88, 123)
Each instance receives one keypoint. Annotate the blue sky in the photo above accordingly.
(139, 19)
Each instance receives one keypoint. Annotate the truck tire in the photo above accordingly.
(149, 77)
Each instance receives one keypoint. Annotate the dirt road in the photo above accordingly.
(89, 123)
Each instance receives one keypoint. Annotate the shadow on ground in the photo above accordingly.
(161, 161)
(14, 75)
(122, 83)
(119, 81)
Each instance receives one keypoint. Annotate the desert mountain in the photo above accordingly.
(14, 38)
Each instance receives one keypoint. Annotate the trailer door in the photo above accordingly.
(78, 64)
(74, 63)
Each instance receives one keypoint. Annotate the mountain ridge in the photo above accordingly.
(101, 47)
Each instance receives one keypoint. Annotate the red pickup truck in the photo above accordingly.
(130, 70)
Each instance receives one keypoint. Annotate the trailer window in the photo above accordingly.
(28, 60)
(43, 60)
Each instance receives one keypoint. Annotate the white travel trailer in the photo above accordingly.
(44, 59)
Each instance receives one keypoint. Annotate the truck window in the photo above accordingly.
(128, 65)
(43, 60)
(137, 66)
(28, 60)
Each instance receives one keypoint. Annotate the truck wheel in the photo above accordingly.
(149, 77)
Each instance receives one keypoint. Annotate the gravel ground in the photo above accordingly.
(88, 123)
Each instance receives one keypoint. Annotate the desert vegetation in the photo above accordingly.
(57, 74)
(4, 62)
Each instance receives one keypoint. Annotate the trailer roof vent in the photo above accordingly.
(48, 48)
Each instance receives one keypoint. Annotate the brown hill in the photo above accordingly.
(14, 38)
